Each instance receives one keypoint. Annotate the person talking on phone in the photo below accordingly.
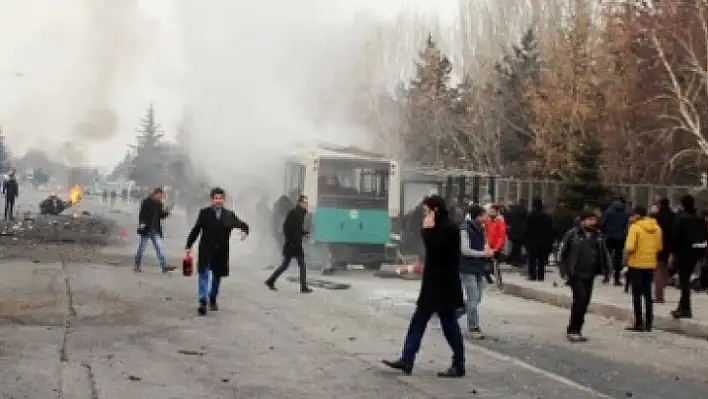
(152, 212)
(440, 290)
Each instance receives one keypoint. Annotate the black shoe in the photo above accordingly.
(271, 285)
(407, 369)
(202, 309)
(679, 314)
(306, 290)
(618, 283)
(137, 269)
(452, 372)
(213, 306)
(634, 328)
(576, 337)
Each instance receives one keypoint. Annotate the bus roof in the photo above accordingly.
(333, 151)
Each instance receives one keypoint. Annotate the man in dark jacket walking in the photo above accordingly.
(440, 291)
(515, 218)
(215, 224)
(294, 230)
(538, 239)
(687, 246)
(665, 218)
(152, 212)
(11, 189)
(614, 225)
(583, 255)
(475, 255)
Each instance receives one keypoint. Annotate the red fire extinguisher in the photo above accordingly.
(187, 267)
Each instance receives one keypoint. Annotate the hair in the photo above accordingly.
(301, 198)
(157, 190)
(475, 211)
(436, 202)
(537, 204)
(495, 207)
(688, 203)
(640, 210)
(216, 191)
(664, 203)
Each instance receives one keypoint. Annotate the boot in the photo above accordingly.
(399, 364)
(213, 305)
(452, 372)
(202, 309)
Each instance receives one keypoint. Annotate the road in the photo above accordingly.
(78, 330)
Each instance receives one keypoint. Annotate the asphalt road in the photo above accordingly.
(79, 330)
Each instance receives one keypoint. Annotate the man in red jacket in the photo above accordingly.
(495, 230)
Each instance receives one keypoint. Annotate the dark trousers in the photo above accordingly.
(685, 264)
(9, 207)
(581, 288)
(641, 282)
(284, 266)
(616, 248)
(450, 328)
(537, 261)
(515, 256)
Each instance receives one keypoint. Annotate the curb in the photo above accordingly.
(665, 323)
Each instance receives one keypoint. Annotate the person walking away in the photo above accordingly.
(614, 225)
(213, 227)
(152, 212)
(516, 217)
(11, 189)
(495, 229)
(475, 256)
(538, 238)
(687, 246)
(440, 291)
(644, 242)
(665, 217)
(294, 230)
(583, 255)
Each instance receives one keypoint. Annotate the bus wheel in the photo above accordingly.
(372, 266)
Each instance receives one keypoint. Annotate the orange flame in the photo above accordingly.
(74, 194)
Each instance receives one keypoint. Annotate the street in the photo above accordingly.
(79, 330)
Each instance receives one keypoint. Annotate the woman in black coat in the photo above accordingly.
(440, 291)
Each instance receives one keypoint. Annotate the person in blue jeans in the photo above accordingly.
(474, 257)
(152, 212)
(215, 224)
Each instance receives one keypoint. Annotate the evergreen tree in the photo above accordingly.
(148, 164)
(583, 183)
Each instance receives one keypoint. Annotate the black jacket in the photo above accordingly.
(151, 214)
(665, 218)
(11, 188)
(441, 289)
(293, 231)
(569, 254)
(516, 218)
(615, 221)
(688, 229)
(214, 243)
(539, 230)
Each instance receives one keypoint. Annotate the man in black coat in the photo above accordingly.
(614, 225)
(294, 230)
(516, 217)
(152, 212)
(539, 235)
(214, 224)
(11, 189)
(440, 291)
(687, 245)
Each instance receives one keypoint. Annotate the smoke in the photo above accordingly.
(77, 57)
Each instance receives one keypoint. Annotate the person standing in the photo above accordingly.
(11, 189)
(475, 255)
(583, 256)
(644, 242)
(665, 217)
(687, 246)
(538, 238)
(515, 218)
(152, 212)
(614, 225)
(294, 230)
(440, 291)
(495, 232)
(214, 224)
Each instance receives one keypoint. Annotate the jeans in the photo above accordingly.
(473, 284)
(203, 284)
(641, 281)
(451, 330)
(582, 292)
(156, 243)
(284, 266)
(537, 261)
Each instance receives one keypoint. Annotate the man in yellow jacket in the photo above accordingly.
(643, 244)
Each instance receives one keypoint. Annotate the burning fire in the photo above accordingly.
(74, 194)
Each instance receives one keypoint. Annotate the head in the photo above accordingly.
(664, 204)
(638, 213)
(434, 204)
(157, 193)
(302, 201)
(537, 204)
(493, 212)
(654, 210)
(217, 196)
(588, 219)
(53, 194)
(688, 203)
(477, 214)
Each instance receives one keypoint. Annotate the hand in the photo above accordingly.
(488, 253)
(187, 253)
(429, 221)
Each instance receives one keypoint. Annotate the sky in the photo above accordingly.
(77, 75)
